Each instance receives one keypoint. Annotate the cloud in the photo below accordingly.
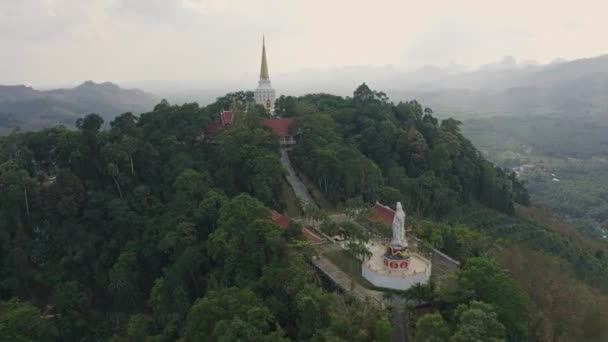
(156, 9)
(34, 21)
(66, 41)
(184, 13)
(211, 6)
(460, 38)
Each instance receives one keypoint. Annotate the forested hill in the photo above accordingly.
(367, 146)
(149, 231)
(152, 230)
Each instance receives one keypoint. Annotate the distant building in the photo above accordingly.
(280, 219)
(226, 117)
(382, 213)
(264, 94)
(284, 221)
(281, 126)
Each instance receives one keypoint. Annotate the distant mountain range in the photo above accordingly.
(578, 87)
(566, 88)
(28, 109)
(572, 88)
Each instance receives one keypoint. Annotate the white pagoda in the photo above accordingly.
(264, 94)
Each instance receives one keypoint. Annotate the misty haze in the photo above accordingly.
(232, 170)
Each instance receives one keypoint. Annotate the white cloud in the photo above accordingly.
(210, 6)
(61, 41)
(460, 38)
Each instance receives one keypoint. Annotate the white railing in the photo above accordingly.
(288, 140)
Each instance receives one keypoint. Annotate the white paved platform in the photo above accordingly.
(373, 269)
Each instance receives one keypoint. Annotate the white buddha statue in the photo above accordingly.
(399, 228)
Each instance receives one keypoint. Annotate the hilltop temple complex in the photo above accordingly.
(395, 264)
(264, 95)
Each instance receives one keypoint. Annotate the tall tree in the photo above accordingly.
(477, 321)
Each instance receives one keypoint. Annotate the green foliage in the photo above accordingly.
(432, 328)
(248, 160)
(384, 330)
(567, 146)
(139, 327)
(577, 136)
(368, 147)
(228, 315)
(483, 279)
(477, 321)
(245, 241)
(117, 233)
(72, 305)
(91, 123)
(579, 196)
(481, 302)
(239, 100)
(460, 242)
(22, 322)
(536, 236)
(153, 231)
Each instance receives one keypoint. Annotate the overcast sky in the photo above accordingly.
(63, 42)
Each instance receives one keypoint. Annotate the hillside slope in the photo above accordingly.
(31, 109)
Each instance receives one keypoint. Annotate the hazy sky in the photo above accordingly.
(45, 42)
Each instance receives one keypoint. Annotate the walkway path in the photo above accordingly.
(343, 280)
(442, 263)
(346, 284)
(294, 181)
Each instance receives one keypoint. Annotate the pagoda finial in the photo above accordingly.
(233, 105)
(264, 70)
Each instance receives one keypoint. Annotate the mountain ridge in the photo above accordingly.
(26, 108)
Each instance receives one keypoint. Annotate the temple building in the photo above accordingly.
(264, 94)
(284, 222)
(281, 127)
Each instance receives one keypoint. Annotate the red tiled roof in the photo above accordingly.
(226, 117)
(310, 236)
(382, 213)
(279, 125)
(212, 129)
(280, 219)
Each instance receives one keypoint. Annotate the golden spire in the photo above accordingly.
(264, 71)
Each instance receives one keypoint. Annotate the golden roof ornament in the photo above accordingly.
(264, 69)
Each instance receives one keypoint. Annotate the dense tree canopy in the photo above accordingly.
(156, 230)
(366, 146)
(151, 230)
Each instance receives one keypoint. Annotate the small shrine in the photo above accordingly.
(395, 264)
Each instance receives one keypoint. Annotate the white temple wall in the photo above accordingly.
(395, 282)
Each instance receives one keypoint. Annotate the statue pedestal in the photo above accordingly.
(396, 256)
(394, 267)
(391, 263)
